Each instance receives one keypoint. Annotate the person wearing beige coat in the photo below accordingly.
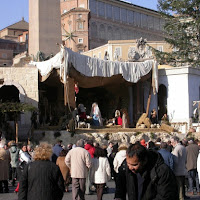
(4, 168)
(79, 162)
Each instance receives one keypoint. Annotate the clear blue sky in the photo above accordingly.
(12, 11)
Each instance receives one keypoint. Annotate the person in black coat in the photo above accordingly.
(41, 179)
(145, 176)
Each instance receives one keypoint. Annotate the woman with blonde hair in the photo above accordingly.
(42, 178)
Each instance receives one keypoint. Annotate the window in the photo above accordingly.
(80, 40)
(79, 16)
(21, 39)
(80, 25)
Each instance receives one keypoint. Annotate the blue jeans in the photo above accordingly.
(193, 177)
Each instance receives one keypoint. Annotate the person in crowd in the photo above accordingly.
(100, 171)
(109, 148)
(158, 143)
(179, 153)
(192, 154)
(14, 155)
(151, 146)
(79, 162)
(143, 143)
(4, 168)
(24, 159)
(64, 168)
(30, 149)
(169, 146)
(96, 115)
(111, 159)
(118, 160)
(198, 165)
(69, 146)
(56, 150)
(153, 116)
(184, 142)
(95, 144)
(167, 156)
(42, 178)
(120, 156)
(91, 149)
(146, 176)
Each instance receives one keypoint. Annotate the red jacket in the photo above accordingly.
(90, 149)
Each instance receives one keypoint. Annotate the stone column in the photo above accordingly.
(44, 26)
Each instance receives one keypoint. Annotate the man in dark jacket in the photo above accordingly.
(147, 177)
(167, 156)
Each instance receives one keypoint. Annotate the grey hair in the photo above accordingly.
(175, 138)
(80, 143)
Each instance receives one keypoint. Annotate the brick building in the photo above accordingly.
(94, 22)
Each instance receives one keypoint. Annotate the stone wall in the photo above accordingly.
(25, 79)
(100, 137)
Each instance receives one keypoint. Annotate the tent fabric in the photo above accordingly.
(94, 67)
(91, 67)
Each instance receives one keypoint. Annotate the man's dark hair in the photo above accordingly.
(137, 150)
(99, 152)
(163, 145)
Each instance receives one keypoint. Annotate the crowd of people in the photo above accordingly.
(143, 170)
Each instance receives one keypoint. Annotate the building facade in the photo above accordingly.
(94, 22)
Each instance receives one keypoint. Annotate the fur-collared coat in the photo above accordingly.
(4, 164)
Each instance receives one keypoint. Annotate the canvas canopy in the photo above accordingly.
(93, 72)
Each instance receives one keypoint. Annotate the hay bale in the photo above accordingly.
(142, 118)
(167, 128)
(147, 122)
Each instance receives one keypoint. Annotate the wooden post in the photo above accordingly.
(16, 131)
(65, 97)
(149, 100)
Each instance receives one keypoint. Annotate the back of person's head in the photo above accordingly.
(63, 153)
(43, 151)
(137, 150)
(163, 145)
(151, 145)
(89, 142)
(191, 141)
(123, 146)
(158, 140)
(99, 152)
(80, 143)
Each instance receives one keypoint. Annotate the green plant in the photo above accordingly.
(152, 136)
(137, 133)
